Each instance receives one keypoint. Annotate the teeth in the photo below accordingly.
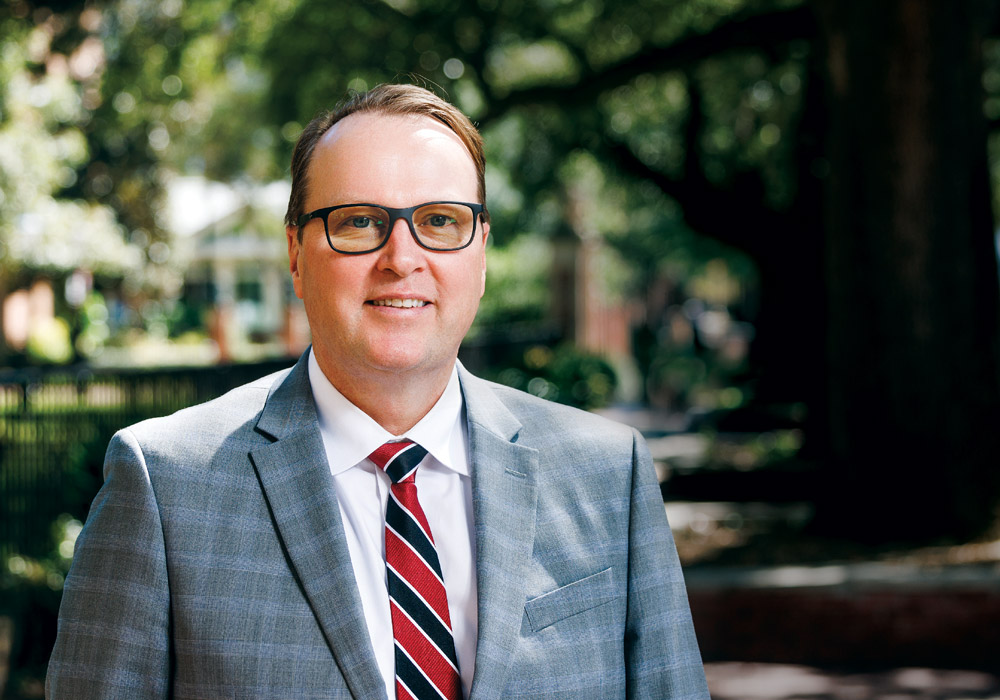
(399, 303)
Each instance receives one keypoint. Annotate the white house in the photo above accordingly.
(232, 239)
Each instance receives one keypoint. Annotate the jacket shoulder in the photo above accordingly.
(546, 420)
(206, 422)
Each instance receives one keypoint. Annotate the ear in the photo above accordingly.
(486, 237)
(294, 250)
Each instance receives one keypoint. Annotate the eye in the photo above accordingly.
(363, 222)
(439, 220)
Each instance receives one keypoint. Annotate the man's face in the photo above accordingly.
(394, 161)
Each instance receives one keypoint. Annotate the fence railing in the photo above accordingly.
(55, 426)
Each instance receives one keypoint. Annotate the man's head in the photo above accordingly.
(381, 301)
(388, 100)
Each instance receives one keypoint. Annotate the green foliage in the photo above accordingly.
(517, 289)
(42, 144)
(564, 374)
(30, 592)
(49, 342)
(182, 92)
(18, 571)
(493, 58)
(991, 107)
(94, 330)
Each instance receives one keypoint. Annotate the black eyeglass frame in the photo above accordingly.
(394, 216)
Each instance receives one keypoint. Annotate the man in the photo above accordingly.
(268, 544)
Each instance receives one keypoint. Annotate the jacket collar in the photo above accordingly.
(503, 504)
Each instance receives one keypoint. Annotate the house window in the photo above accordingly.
(249, 289)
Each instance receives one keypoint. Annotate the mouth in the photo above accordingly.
(398, 303)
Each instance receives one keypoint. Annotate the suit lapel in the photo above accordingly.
(503, 502)
(296, 479)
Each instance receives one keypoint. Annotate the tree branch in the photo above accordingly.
(757, 31)
(721, 213)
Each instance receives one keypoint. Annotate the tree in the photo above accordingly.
(911, 266)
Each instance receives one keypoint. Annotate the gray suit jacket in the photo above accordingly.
(213, 562)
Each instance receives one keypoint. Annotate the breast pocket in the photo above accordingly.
(571, 599)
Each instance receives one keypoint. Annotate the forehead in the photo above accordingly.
(366, 124)
(376, 132)
(391, 154)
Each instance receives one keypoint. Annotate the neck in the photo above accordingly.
(395, 400)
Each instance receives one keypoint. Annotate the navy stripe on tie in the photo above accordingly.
(410, 531)
(422, 615)
(412, 677)
(405, 462)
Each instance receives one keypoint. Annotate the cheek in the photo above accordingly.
(327, 287)
(474, 285)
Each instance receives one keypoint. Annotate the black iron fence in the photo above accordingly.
(55, 426)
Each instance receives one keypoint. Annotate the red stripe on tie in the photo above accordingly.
(402, 693)
(411, 568)
(406, 493)
(383, 454)
(436, 667)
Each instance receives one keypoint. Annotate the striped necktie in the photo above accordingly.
(426, 664)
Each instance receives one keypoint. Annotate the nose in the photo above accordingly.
(401, 254)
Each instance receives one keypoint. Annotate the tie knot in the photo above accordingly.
(398, 459)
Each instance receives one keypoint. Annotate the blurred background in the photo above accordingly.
(761, 231)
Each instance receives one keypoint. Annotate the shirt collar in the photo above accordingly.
(350, 434)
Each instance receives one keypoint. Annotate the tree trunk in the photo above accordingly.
(911, 271)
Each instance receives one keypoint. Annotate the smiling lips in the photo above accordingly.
(399, 303)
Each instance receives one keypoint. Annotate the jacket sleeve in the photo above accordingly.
(662, 660)
(113, 635)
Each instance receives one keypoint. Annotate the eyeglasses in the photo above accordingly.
(354, 229)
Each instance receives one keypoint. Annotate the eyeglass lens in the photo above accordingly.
(437, 226)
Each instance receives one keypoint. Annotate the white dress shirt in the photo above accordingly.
(444, 487)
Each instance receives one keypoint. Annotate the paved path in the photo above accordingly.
(744, 681)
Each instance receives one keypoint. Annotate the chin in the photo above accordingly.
(404, 361)
(397, 362)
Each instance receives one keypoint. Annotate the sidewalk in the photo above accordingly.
(747, 681)
(788, 625)
(870, 615)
